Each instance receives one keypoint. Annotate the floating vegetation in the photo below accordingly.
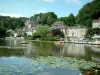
(39, 63)
(63, 62)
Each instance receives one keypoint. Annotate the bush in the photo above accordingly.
(28, 37)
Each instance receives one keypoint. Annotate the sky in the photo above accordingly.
(27, 8)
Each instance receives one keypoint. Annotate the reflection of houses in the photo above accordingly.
(30, 27)
(74, 50)
(75, 33)
(96, 23)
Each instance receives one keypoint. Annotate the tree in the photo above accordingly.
(52, 17)
(43, 31)
(45, 18)
(89, 12)
(71, 20)
(7, 23)
(57, 32)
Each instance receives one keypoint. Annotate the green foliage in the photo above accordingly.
(57, 32)
(40, 63)
(2, 32)
(45, 18)
(93, 31)
(63, 62)
(89, 12)
(28, 37)
(43, 31)
(70, 20)
(7, 23)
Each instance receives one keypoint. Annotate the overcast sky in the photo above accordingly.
(28, 8)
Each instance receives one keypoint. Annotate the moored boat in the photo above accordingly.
(23, 42)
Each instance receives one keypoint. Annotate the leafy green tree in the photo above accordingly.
(44, 32)
(7, 23)
(71, 20)
(45, 18)
(89, 12)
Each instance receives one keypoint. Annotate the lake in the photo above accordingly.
(16, 58)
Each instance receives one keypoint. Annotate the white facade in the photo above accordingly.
(15, 34)
(75, 33)
(30, 27)
(28, 24)
(30, 32)
(96, 23)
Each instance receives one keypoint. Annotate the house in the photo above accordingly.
(19, 32)
(59, 25)
(71, 34)
(96, 23)
(30, 27)
(75, 33)
(96, 38)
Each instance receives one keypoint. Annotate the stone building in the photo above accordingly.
(30, 27)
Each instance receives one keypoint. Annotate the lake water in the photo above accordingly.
(15, 56)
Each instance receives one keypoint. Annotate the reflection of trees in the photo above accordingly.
(92, 55)
(88, 53)
(43, 48)
(10, 52)
(95, 56)
(29, 51)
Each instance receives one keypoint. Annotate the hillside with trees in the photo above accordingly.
(45, 18)
(7, 23)
(89, 12)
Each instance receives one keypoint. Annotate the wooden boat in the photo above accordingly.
(23, 42)
(57, 42)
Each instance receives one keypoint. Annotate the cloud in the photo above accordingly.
(11, 15)
(49, 0)
(73, 1)
(40, 11)
(77, 1)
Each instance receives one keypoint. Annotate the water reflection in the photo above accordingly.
(74, 50)
(50, 49)
(32, 49)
